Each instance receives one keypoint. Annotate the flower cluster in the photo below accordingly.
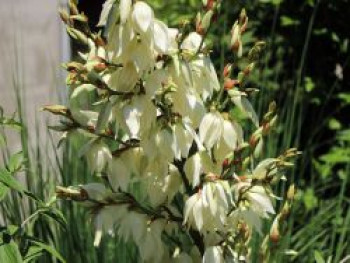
(156, 117)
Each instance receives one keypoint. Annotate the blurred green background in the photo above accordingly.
(304, 69)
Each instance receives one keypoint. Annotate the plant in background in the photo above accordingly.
(18, 240)
(176, 173)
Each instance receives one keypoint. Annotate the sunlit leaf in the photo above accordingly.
(16, 162)
(33, 253)
(318, 257)
(288, 21)
(9, 253)
(49, 249)
(7, 179)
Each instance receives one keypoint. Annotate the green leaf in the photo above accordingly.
(11, 123)
(288, 21)
(49, 249)
(336, 155)
(3, 191)
(310, 200)
(9, 253)
(56, 215)
(318, 257)
(277, 2)
(334, 124)
(345, 97)
(344, 135)
(274, 2)
(16, 161)
(309, 84)
(33, 253)
(7, 179)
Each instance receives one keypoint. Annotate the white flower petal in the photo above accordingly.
(193, 169)
(229, 135)
(132, 119)
(142, 16)
(198, 214)
(189, 207)
(160, 37)
(107, 6)
(125, 8)
(246, 107)
(192, 42)
(119, 174)
(210, 129)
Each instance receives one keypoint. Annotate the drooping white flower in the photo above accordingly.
(161, 38)
(151, 246)
(183, 140)
(211, 128)
(132, 226)
(217, 196)
(124, 79)
(98, 156)
(205, 80)
(259, 200)
(198, 214)
(81, 106)
(106, 219)
(192, 42)
(119, 175)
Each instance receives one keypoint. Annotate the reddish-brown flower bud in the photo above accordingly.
(230, 83)
(210, 4)
(100, 67)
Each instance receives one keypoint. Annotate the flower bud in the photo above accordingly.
(71, 193)
(209, 4)
(285, 211)
(199, 28)
(291, 192)
(243, 20)
(235, 34)
(64, 15)
(225, 163)
(207, 19)
(56, 109)
(99, 41)
(73, 7)
(80, 17)
(249, 69)
(230, 83)
(227, 70)
(77, 35)
(274, 232)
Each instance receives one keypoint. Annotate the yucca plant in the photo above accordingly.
(176, 172)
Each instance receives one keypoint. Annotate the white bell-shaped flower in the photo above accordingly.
(119, 175)
(211, 128)
(98, 156)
